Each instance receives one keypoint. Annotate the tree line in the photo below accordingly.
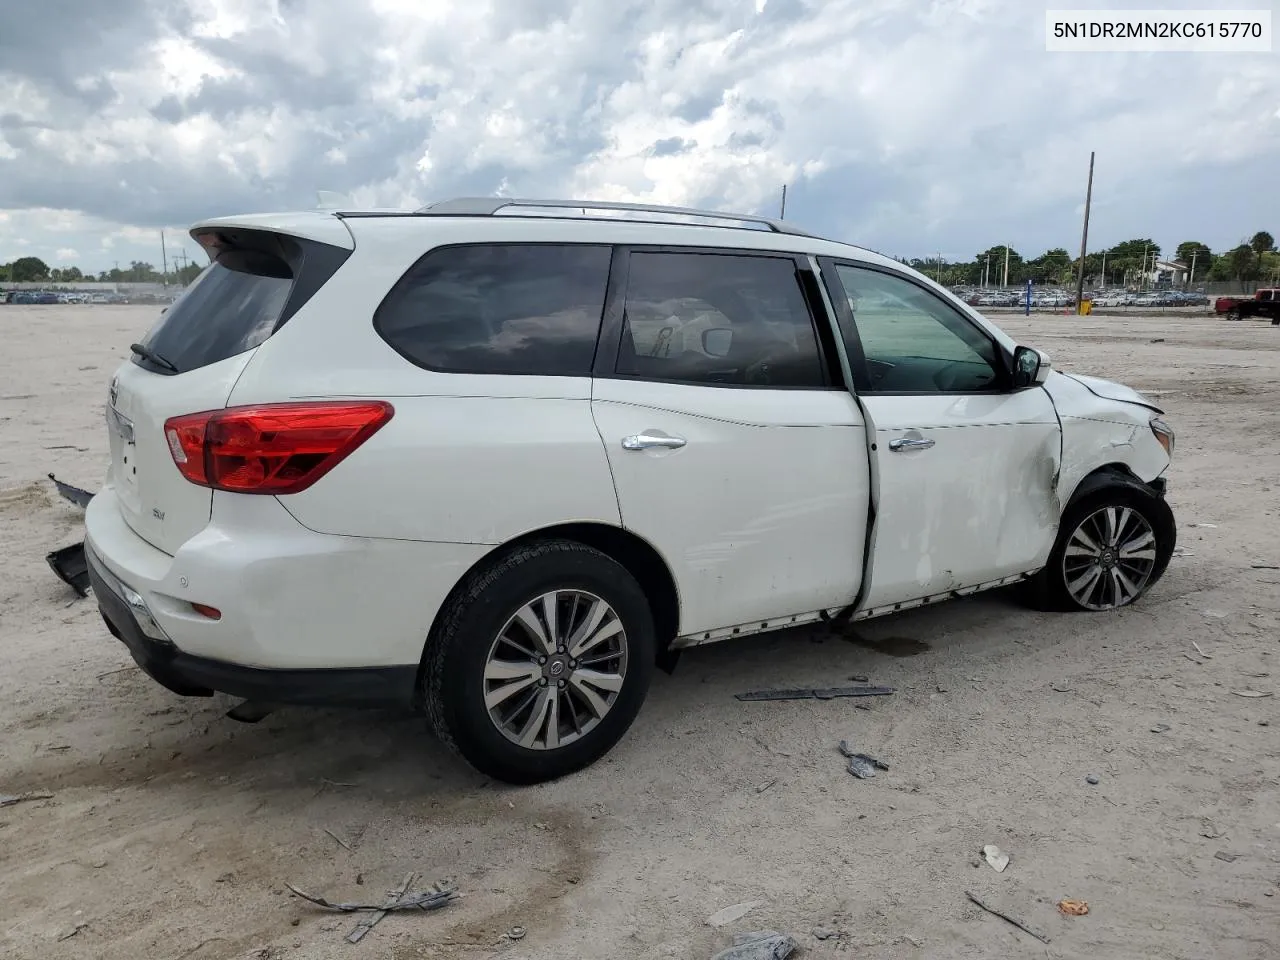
(35, 270)
(1120, 265)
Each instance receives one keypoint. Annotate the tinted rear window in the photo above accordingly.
(224, 312)
(504, 308)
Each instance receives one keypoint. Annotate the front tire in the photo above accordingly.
(1114, 543)
(539, 662)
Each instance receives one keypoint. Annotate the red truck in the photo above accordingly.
(1264, 304)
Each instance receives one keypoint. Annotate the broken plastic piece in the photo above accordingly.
(815, 693)
(1073, 908)
(722, 918)
(71, 567)
(759, 945)
(77, 496)
(251, 711)
(996, 857)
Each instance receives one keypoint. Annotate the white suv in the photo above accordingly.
(497, 459)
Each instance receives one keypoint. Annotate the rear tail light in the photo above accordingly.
(274, 448)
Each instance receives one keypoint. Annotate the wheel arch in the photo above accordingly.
(636, 555)
(1100, 477)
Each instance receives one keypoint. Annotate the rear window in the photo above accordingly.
(505, 308)
(224, 312)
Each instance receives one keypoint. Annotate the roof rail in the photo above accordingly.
(489, 206)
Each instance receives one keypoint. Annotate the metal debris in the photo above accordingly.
(1161, 728)
(342, 843)
(861, 765)
(1253, 694)
(8, 801)
(1226, 857)
(815, 693)
(759, 945)
(1006, 917)
(1207, 656)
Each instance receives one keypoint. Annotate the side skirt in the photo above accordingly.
(817, 616)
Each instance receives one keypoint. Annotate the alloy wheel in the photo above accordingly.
(555, 669)
(1109, 558)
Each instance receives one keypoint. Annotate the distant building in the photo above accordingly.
(1166, 273)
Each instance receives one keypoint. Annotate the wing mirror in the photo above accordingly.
(1030, 367)
(717, 341)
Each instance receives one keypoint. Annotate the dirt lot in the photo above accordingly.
(172, 829)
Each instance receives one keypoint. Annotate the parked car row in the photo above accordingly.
(53, 296)
(1151, 298)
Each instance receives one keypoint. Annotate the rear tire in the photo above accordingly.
(1114, 543)
(1233, 314)
(539, 662)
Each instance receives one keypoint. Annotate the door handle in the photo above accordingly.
(649, 439)
(910, 443)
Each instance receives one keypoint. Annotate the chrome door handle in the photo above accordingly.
(910, 443)
(644, 441)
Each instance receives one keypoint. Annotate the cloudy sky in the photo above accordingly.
(915, 127)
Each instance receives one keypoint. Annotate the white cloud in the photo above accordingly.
(908, 125)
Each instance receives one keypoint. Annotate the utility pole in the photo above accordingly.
(782, 214)
(1191, 278)
(986, 269)
(1004, 281)
(1104, 269)
(1084, 238)
(939, 277)
(164, 262)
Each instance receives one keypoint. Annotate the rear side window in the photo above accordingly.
(256, 282)
(500, 308)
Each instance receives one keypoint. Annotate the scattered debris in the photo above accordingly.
(398, 899)
(342, 843)
(1226, 857)
(1005, 916)
(9, 801)
(1161, 340)
(1060, 688)
(759, 945)
(861, 765)
(996, 857)
(815, 693)
(79, 926)
(762, 787)
(1209, 830)
(1214, 615)
(1073, 908)
(1091, 779)
(1253, 694)
(517, 933)
(77, 496)
(824, 933)
(1180, 552)
(1211, 526)
(858, 678)
(722, 918)
(1201, 652)
(1161, 728)
(1260, 565)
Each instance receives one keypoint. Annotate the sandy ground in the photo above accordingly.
(171, 829)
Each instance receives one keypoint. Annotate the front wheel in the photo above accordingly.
(540, 662)
(1114, 544)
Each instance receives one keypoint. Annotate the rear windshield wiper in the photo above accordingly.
(148, 354)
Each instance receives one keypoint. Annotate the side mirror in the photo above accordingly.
(1030, 367)
(716, 341)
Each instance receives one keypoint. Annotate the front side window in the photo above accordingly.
(725, 319)
(505, 308)
(913, 341)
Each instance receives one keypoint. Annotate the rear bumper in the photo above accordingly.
(192, 676)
